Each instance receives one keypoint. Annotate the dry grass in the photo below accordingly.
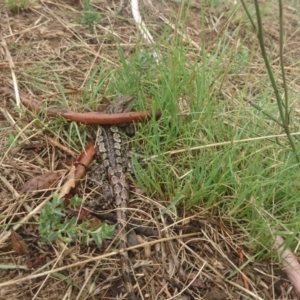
(195, 253)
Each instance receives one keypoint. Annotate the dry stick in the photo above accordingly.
(56, 144)
(11, 120)
(107, 119)
(222, 144)
(13, 75)
(96, 118)
(15, 139)
(10, 187)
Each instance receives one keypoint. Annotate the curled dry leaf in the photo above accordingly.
(18, 244)
(41, 182)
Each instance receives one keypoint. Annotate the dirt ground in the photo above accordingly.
(48, 49)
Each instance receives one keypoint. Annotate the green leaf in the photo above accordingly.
(98, 240)
(12, 267)
(75, 201)
(61, 276)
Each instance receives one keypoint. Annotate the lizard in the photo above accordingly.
(112, 150)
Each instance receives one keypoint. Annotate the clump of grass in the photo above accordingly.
(227, 162)
(17, 6)
(90, 17)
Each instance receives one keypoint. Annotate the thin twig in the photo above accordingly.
(97, 118)
(259, 138)
(12, 68)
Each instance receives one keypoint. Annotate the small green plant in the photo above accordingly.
(53, 224)
(89, 16)
(18, 5)
(240, 61)
(12, 140)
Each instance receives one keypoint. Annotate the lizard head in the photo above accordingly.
(120, 104)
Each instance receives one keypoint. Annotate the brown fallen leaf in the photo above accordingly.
(94, 221)
(41, 182)
(18, 244)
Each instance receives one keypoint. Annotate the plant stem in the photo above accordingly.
(283, 116)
